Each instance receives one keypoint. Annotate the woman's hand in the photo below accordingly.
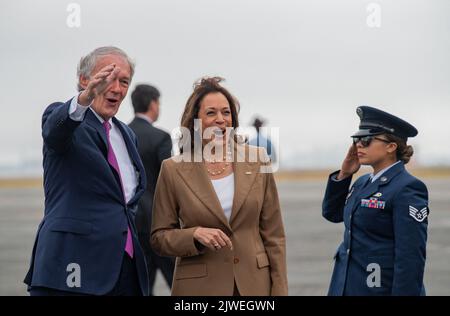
(351, 164)
(212, 238)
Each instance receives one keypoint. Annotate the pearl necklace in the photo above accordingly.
(221, 170)
(218, 172)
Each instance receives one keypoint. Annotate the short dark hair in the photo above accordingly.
(141, 97)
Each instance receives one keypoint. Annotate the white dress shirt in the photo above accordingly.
(128, 172)
(224, 188)
(380, 173)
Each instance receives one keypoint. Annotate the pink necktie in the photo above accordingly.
(113, 162)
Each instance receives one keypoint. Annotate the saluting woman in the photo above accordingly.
(385, 213)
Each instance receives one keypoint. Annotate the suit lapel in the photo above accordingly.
(94, 122)
(365, 191)
(196, 178)
(135, 158)
(244, 176)
(370, 189)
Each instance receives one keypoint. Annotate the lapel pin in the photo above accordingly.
(383, 179)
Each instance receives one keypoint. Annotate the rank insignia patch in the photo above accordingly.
(418, 215)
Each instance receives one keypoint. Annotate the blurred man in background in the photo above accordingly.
(154, 145)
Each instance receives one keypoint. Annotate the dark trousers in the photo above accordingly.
(154, 262)
(126, 285)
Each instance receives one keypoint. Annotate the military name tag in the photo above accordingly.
(373, 203)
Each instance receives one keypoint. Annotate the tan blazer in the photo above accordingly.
(185, 199)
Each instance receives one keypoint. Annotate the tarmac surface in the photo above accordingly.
(311, 240)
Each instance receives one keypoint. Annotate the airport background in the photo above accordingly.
(304, 66)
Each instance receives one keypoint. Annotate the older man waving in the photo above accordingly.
(93, 179)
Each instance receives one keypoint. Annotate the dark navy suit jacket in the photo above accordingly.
(86, 217)
(386, 225)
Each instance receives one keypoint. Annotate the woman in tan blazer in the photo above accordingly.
(220, 217)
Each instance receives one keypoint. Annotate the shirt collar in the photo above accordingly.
(101, 118)
(380, 173)
(144, 117)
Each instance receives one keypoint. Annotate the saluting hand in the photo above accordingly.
(212, 238)
(351, 164)
(98, 84)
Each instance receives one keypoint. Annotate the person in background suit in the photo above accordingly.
(155, 145)
(86, 243)
(219, 215)
(385, 213)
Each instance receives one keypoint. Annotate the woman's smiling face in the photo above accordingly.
(215, 112)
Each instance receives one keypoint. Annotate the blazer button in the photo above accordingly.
(348, 251)
(236, 260)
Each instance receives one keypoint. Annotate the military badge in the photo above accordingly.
(418, 215)
(373, 203)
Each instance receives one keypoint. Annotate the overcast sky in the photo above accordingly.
(303, 65)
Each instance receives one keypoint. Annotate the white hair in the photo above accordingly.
(88, 62)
